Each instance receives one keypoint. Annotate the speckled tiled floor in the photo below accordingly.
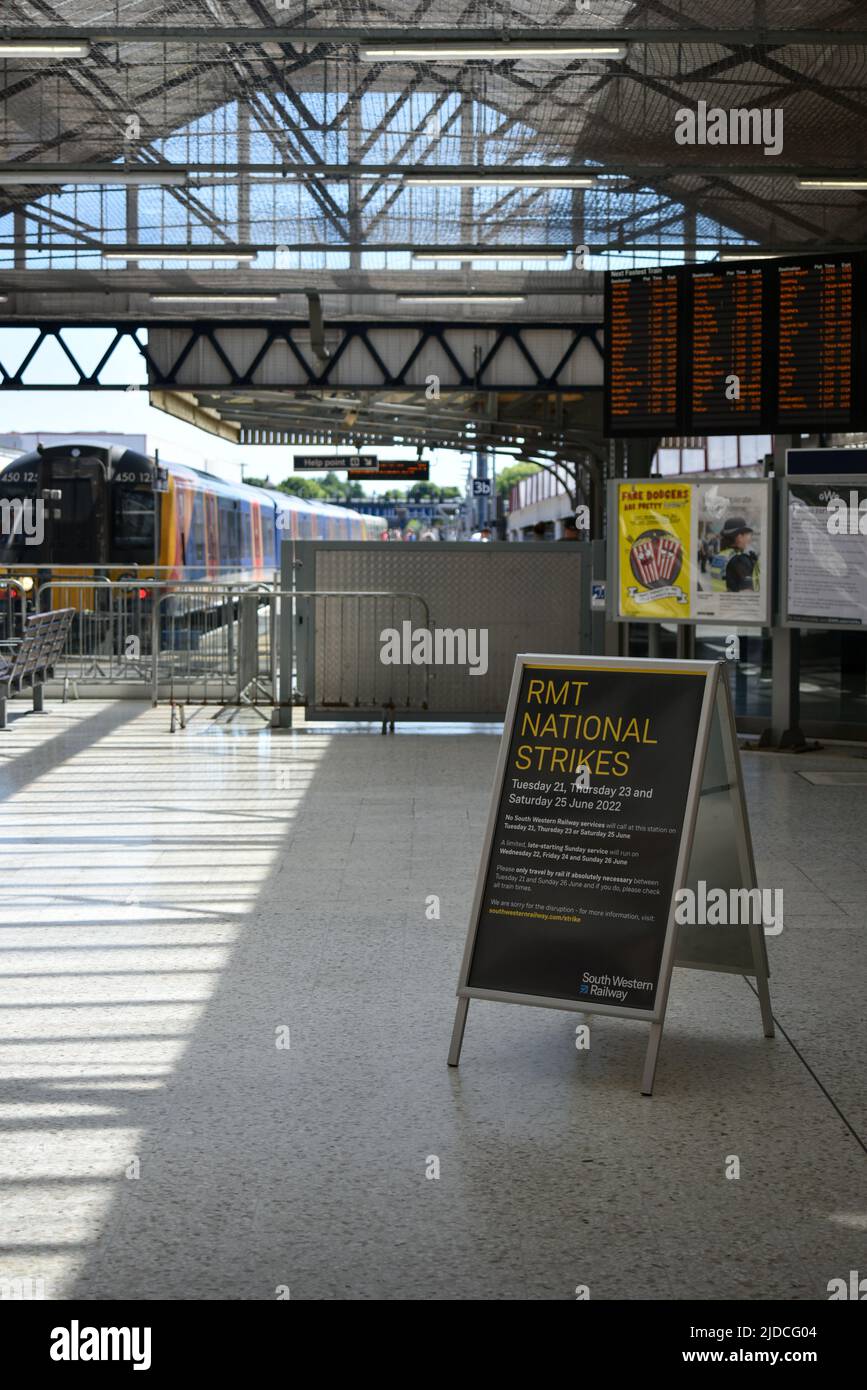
(167, 904)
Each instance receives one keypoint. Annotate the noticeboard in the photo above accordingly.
(600, 786)
(690, 551)
(824, 544)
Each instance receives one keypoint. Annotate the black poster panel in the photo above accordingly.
(579, 879)
(330, 463)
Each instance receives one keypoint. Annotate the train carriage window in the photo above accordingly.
(133, 518)
(194, 547)
(270, 537)
(230, 533)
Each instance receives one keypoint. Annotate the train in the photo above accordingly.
(110, 509)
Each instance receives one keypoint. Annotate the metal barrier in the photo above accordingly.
(90, 649)
(490, 602)
(334, 673)
(215, 643)
(250, 656)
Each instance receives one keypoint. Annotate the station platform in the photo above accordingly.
(170, 905)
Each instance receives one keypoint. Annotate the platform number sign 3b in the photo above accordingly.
(482, 487)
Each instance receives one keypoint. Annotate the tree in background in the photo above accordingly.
(508, 477)
(571, 474)
(304, 487)
(333, 486)
(430, 492)
(258, 482)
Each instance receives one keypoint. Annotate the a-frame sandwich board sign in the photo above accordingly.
(618, 786)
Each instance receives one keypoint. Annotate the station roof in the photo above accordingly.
(297, 141)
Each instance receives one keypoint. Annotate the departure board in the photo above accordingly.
(726, 359)
(396, 470)
(816, 343)
(642, 342)
(750, 347)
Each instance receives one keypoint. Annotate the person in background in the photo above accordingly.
(483, 534)
(570, 530)
(539, 531)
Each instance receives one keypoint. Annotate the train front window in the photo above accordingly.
(133, 521)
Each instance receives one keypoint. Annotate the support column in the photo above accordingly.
(468, 159)
(131, 219)
(19, 237)
(353, 139)
(482, 503)
(785, 730)
(244, 235)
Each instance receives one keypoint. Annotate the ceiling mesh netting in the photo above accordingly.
(281, 105)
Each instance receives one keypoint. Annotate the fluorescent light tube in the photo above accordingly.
(832, 183)
(210, 298)
(42, 48)
(504, 255)
(422, 298)
(498, 52)
(39, 174)
(145, 253)
(504, 180)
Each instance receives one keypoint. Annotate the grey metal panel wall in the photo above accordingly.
(529, 597)
(191, 361)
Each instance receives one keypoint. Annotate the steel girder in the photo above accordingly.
(403, 355)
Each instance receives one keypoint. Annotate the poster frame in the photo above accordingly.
(709, 671)
(838, 480)
(613, 614)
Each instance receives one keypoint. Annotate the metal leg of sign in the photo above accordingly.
(650, 1059)
(762, 988)
(756, 931)
(458, 1032)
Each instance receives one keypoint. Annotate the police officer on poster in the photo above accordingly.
(739, 571)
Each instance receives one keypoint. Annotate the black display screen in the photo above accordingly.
(641, 351)
(726, 359)
(752, 347)
(816, 344)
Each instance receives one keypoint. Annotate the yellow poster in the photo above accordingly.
(654, 522)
